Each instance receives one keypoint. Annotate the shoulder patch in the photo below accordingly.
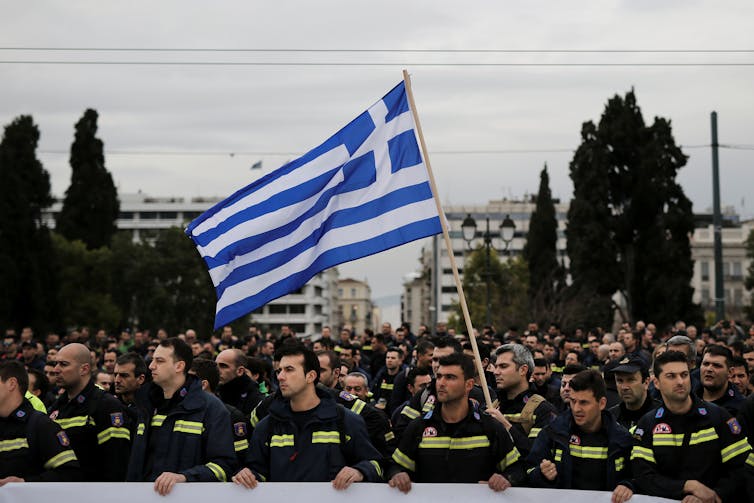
(428, 414)
(80, 398)
(429, 431)
(345, 395)
(660, 412)
(730, 392)
(54, 414)
(20, 414)
(734, 426)
(63, 439)
(431, 399)
(702, 411)
(183, 392)
(116, 419)
(638, 433)
(662, 428)
(575, 440)
(239, 429)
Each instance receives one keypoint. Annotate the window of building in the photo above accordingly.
(738, 297)
(168, 215)
(353, 292)
(149, 215)
(340, 292)
(278, 309)
(126, 215)
(737, 270)
(705, 271)
(297, 309)
(705, 297)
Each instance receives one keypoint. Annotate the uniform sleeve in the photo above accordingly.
(410, 412)
(404, 456)
(541, 450)
(360, 452)
(53, 449)
(258, 456)
(736, 455)
(507, 457)
(240, 429)
(219, 456)
(648, 479)
(113, 438)
(378, 428)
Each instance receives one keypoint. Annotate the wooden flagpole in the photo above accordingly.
(456, 276)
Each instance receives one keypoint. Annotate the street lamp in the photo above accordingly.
(506, 232)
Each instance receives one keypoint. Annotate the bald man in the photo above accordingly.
(236, 387)
(95, 422)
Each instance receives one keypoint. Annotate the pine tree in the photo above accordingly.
(27, 280)
(91, 205)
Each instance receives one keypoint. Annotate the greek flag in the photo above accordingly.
(364, 190)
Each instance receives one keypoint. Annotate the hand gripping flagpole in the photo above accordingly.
(456, 277)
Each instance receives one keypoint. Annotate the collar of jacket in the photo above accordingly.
(280, 408)
(236, 387)
(617, 436)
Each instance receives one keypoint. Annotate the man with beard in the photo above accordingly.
(236, 388)
(714, 374)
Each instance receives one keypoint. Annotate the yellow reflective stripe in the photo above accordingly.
(261, 477)
(639, 452)
(377, 467)
(325, 437)
(254, 419)
(281, 441)
(404, 461)
(158, 419)
(358, 406)
(701, 436)
(667, 440)
(558, 454)
(587, 452)
(734, 450)
(619, 464)
(510, 458)
(428, 406)
(113, 432)
(240, 445)
(73, 422)
(386, 386)
(193, 427)
(513, 416)
(140, 429)
(218, 471)
(457, 443)
(13, 444)
(60, 459)
(750, 459)
(348, 438)
(534, 432)
(409, 412)
(389, 436)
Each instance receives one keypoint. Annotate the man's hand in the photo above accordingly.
(690, 498)
(401, 481)
(548, 469)
(347, 476)
(497, 483)
(621, 494)
(245, 478)
(500, 417)
(165, 482)
(8, 480)
(704, 493)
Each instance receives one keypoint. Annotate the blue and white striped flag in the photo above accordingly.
(362, 191)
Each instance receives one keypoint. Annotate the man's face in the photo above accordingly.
(565, 388)
(531, 341)
(392, 360)
(631, 388)
(105, 380)
(420, 383)
(126, 381)
(674, 382)
(714, 372)
(629, 341)
(356, 386)
(346, 354)
(451, 385)
(571, 359)
(268, 348)
(291, 376)
(539, 376)
(438, 353)
(507, 376)
(749, 357)
(163, 366)
(549, 352)
(196, 348)
(317, 346)
(587, 410)
(227, 333)
(616, 351)
(738, 378)
(109, 362)
(387, 329)
(226, 364)
(424, 359)
(327, 376)
(70, 373)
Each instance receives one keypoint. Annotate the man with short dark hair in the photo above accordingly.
(739, 375)
(715, 379)
(183, 433)
(584, 448)
(632, 382)
(428, 449)
(688, 447)
(130, 376)
(307, 437)
(32, 447)
(382, 388)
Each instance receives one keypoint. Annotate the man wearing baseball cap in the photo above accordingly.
(632, 382)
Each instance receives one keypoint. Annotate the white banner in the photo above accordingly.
(97, 492)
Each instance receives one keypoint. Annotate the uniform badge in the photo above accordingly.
(244, 395)
(20, 413)
(662, 428)
(80, 398)
(54, 415)
(63, 439)
(345, 395)
(734, 426)
(660, 412)
(702, 411)
(184, 392)
(429, 431)
(239, 429)
(526, 399)
(730, 392)
(575, 440)
(638, 433)
(116, 419)
(430, 399)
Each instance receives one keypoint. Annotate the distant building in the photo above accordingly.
(354, 305)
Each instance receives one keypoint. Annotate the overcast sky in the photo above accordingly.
(275, 112)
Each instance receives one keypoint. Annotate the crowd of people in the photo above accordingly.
(664, 413)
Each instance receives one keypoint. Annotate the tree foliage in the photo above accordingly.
(546, 275)
(27, 280)
(91, 205)
(629, 222)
